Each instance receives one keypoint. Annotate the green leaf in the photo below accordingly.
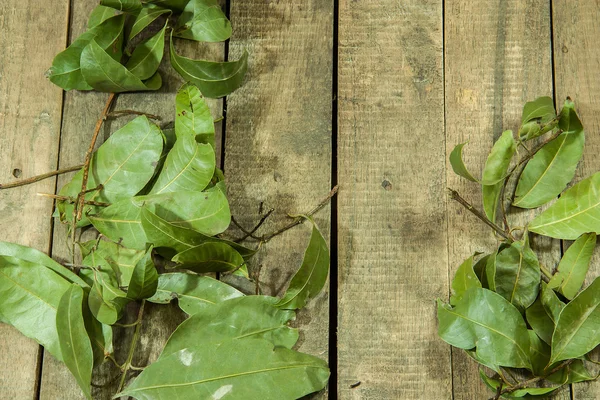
(177, 5)
(104, 74)
(486, 318)
(458, 165)
(193, 117)
(498, 160)
(568, 120)
(573, 266)
(106, 302)
(146, 16)
(207, 212)
(193, 292)
(572, 373)
(238, 369)
(540, 354)
(247, 317)
(576, 212)
(144, 279)
(577, 326)
(147, 55)
(37, 257)
(203, 21)
(75, 344)
(549, 171)
(29, 297)
(490, 271)
(66, 66)
(310, 279)
(518, 274)
(551, 303)
(538, 118)
(122, 166)
(528, 393)
(480, 270)
(540, 321)
(464, 279)
(210, 257)
(491, 199)
(472, 354)
(189, 166)
(101, 335)
(215, 79)
(121, 259)
(123, 5)
(99, 15)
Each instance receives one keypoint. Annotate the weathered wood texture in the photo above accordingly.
(576, 60)
(497, 57)
(391, 216)
(278, 138)
(30, 109)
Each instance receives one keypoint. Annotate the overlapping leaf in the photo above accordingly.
(144, 279)
(210, 257)
(495, 172)
(146, 16)
(99, 15)
(464, 279)
(538, 118)
(573, 266)
(203, 21)
(146, 57)
(193, 117)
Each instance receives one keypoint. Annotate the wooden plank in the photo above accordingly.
(497, 57)
(392, 229)
(576, 59)
(30, 109)
(81, 113)
(278, 138)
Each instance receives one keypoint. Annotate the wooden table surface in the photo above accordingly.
(370, 95)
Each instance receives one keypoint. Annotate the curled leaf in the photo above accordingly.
(203, 21)
(146, 16)
(146, 57)
(458, 165)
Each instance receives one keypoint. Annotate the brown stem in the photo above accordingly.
(88, 156)
(72, 200)
(248, 234)
(37, 178)
(119, 113)
(455, 196)
(136, 335)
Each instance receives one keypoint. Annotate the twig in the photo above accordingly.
(533, 381)
(119, 113)
(248, 234)
(257, 279)
(232, 271)
(134, 340)
(498, 392)
(72, 200)
(298, 220)
(38, 178)
(88, 156)
(455, 196)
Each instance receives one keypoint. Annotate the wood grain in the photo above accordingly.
(30, 109)
(278, 138)
(497, 57)
(81, 112)
(392, 224)
(576, 60)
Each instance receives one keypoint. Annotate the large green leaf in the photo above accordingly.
(457, 163)
(247, 317)
(147, 56)
(518, 274)
(573, 266)
(144, 279)
(576, 331)
(549, 171)
(146, 16)
(215, 79)
(29, 297)
(464, 279)
(207, 212)
(576, 212)
(485, 320)
(236, 369)
(210, 257)
(193, 292)
(538, 118)
(203, 21)
(122, 165)
(75, 344)
(189, 166)
(66, 66)
(499, 158)
(193, 117)
(104, 74)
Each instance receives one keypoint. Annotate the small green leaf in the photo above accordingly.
(121, 259)
(123, 5)
(528, 393)
(576, 212)
(479, 268)
(75, 344)
(215, 79)
(458, 165)
(574, 265)
(577, 326)
(203, 21)
(310, 279)
(498, 160)
(99, 15)
(147, 55)
(497, 327)
(518, 274)
(568, 120)
(193, 292)
(572, 373)
(464, 279)
(106, 301)
(193, 117)
(538, 118)
(146, 16)
(144, 279)
(210, 257)
(247, 317)
(238, 369)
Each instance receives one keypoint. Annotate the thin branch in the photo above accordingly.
(248, 234)
(38, 178)
(455, 196)
(119, 113)
(72, 200)
(134, 340)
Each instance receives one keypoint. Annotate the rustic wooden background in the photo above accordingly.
(372, 95)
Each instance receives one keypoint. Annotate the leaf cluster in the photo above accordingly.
(509, 312)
